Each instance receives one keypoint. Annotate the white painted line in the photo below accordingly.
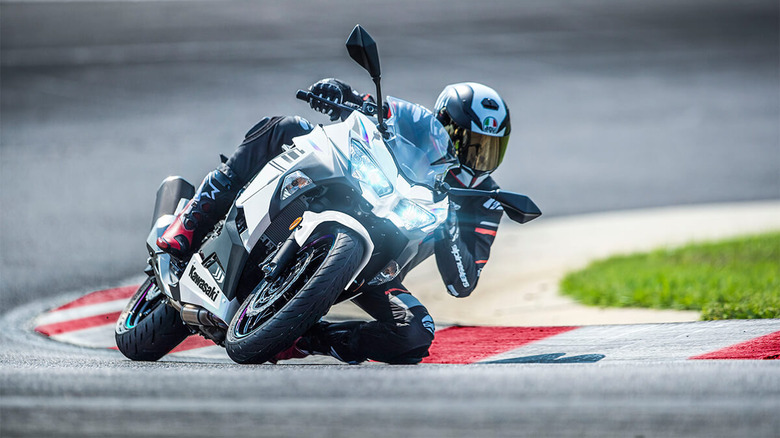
(55, 316)
(101, 336)
(212, 352)
(646, 342)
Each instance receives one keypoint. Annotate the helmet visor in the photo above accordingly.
(482, 153)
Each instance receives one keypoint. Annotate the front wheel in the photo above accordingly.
(148, 328)
(277, 313)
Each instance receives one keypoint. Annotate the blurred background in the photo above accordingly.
(615, 105)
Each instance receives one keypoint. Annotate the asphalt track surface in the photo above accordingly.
(615, 105)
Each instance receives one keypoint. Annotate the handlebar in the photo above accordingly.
(367, 108)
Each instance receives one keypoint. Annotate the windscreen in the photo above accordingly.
(419, 143)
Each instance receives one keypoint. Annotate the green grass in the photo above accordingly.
(734, 279)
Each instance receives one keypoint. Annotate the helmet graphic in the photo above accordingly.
(477, 120)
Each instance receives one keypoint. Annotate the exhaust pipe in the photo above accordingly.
(195, 315)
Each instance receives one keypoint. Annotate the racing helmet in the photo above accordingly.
(477, 120)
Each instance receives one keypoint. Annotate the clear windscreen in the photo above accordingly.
(419, 143)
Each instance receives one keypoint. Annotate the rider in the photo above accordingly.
(477, 120)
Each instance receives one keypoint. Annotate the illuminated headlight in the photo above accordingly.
(293, 182)
(412, 215)
(364, 169)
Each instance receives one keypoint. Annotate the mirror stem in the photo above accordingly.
(380, 108)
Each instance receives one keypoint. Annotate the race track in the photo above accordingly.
(633, 381)
(89, 321)
(615, 105)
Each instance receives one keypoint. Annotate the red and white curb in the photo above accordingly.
(89, 321)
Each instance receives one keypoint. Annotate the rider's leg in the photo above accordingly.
(218, 190)
(401, 334)
(211, 201)
(263, 142)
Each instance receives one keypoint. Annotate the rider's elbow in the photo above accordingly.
(461, 290)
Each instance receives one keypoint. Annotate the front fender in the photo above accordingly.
(312, 220)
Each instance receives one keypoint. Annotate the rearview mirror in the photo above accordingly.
(362, 48)
(519, 208)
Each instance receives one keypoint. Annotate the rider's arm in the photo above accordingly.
(462, 249)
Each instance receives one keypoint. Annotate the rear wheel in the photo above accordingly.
(148, 328)
(276, 313)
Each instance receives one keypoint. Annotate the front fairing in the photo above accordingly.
(324, 156)
(358, 128)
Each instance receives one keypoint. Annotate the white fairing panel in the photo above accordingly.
(329, 150)
(313, 149)
(312, 220)
(197, 286)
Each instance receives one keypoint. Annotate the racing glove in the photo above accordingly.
(337, 91)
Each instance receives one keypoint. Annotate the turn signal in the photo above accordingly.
(294, 182)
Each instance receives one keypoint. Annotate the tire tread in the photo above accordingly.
(154, 336)
(304, 309)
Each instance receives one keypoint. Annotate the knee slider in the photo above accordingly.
(413, 341)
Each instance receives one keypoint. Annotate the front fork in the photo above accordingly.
(286, 252)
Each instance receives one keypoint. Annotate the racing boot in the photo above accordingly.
(210, 203)
(312, 342)
(294, 352)
(324, 339)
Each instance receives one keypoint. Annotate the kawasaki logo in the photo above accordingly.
(210, 291)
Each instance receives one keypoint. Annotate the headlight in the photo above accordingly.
(412, 215)
(364, 169)
(293, 182)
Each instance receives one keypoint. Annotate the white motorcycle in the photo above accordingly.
(345, 205)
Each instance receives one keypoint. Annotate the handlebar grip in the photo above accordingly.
(303, 95)
(308, 96)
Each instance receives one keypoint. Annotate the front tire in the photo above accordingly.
(148, 329)
(277, 313)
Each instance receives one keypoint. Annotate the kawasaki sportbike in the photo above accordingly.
(345, 205)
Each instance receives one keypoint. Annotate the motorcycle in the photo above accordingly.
(346, 205)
